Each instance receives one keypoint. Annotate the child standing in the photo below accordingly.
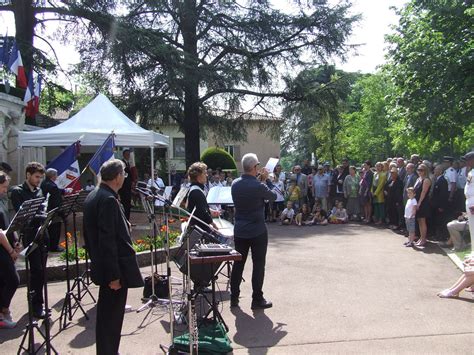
(410, 212)
(288, 214)
(294, 193)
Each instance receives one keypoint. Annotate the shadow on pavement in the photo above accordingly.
(257, 333)
(86, 337)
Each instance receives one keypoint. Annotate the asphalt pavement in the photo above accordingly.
(336, 289)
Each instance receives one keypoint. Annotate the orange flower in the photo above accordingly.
(140, 241)
(62, 244)
(163, 228)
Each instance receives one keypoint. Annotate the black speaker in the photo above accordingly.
(201, 274)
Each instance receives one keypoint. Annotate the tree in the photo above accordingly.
(432, 66)
(313, 124)
(181, 59)
(366, 126)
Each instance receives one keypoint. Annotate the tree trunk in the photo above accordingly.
(188, 19)
(25, 23)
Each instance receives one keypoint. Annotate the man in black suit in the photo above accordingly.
(125, 191)
(250, 232)
(439, 204)
(48, 186)
(30, 190)
(113, 262)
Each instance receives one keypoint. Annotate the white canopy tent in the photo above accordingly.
(91, 126)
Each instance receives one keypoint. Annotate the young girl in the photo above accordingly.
(339, 215)
(304, 216)
(288, 214)
(320, 216)
(294, 193)
(410, 219)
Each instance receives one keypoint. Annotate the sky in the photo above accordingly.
(369, 33)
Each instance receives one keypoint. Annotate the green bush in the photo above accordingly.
(215, 158)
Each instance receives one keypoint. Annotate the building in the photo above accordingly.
(263, 139)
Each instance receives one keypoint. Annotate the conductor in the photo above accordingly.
(250, 232)
(114, 265)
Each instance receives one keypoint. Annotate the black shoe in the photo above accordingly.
(40, 313)
(234, 301)
(261, 304)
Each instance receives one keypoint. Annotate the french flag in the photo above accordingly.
(30, 110)
(16, 66)
(68, 168)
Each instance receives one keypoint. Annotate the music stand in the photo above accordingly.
(64, 210)
(78, 281)
(38, 242)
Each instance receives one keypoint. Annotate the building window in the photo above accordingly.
(233, 150)
(178, 148)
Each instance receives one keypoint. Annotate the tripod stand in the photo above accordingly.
(37, 244)
(71, 301)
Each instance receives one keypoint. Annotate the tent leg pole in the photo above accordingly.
(152, 164)
(19, 162)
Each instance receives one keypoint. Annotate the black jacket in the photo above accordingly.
(196, 198)
(55, 193)
(107, 237)
(249, 197)
(440, 196)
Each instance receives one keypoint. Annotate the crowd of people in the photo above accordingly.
(412, 196)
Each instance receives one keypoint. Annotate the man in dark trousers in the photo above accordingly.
(250, 232)
(440, 204)
(126, 190)
(48, 186)
(30, 190)
(113, 262)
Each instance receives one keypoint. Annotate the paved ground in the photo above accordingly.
(336, 289)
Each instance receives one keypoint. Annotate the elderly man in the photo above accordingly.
(402, 171)
(250, 232)
(321, 187)
(302, 182)
(54, 195)
(456, 229)
(409, 180)
(114, 265)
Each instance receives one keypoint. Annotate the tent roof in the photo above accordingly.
(92, 125)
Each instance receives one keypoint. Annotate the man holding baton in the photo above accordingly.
(249, 193)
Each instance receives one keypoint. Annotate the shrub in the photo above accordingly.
(215, 158)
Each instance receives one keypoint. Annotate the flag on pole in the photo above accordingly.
(15, 64)
(29, 96)
(105, 153)
(68, 167)
(37, 94)
(4, 51)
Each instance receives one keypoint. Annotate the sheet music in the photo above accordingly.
(220, 195)
(272, 162)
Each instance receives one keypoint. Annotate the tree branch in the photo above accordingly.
(282, 94)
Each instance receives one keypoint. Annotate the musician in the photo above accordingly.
(9, 279)
(158, 186)
(126, 191)
(250, 232)
(196, 198)
(113, 261)
(30, 190)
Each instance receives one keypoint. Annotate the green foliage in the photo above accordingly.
(313, 123)
(215, 157)
(432, 67)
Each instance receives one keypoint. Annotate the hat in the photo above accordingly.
(448, 158)
(469, 155)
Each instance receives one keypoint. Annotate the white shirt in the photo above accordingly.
(279, 190)
(451, 176)
(289, 213)
(158, 184)
(462, 178)
(469, 190)
(410, 208)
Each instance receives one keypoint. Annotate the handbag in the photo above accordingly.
(161, 286)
